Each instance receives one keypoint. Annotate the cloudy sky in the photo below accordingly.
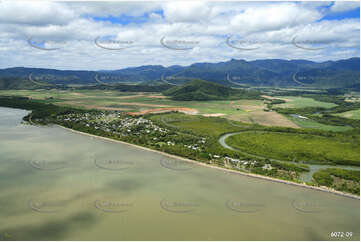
(115, 35)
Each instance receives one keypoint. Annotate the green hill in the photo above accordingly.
(16, 83)
(200, 90)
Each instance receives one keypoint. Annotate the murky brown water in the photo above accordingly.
(58, 185)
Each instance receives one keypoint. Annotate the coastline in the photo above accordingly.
(216, 167)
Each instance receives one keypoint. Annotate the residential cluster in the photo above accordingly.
(120, 125)
(237, 163)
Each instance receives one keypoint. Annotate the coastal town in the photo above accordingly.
(129, 128)
(119, 125)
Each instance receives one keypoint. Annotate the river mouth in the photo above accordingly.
(305, 176)
(141, 198)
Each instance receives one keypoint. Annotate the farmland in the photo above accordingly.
(311, 124)
(353, 114)
(141, 103)
(302, 102)
(249, 111)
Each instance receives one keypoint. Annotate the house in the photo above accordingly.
(231, 160)
(267, 167)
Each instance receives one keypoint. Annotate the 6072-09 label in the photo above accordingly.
(341, 234)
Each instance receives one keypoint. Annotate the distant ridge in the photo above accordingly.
(268, 72)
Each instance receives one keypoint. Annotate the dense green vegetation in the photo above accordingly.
(339, 179)
(336, 149)
(16, 83)
(41, 112)
(200, 90)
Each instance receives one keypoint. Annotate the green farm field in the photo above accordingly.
(353, 114)
(213, 126)
(311, 124)
(302, 102)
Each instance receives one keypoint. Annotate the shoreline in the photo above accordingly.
(339, 193)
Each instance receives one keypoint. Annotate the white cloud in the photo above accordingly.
(273, 17)
(35, 13)
(103, 9)
(272, 24)
(186, 11)
(342, 6)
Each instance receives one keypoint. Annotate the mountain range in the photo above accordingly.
(269, 72)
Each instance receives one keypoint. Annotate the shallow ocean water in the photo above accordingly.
(59, 185)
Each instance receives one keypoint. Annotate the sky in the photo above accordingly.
(115, 35)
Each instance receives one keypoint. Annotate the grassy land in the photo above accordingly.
(302, 102)
(311, 124)
(199, 125)
(353, 114)
(305, 147)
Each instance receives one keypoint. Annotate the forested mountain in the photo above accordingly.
(201, 90)
(270, 72)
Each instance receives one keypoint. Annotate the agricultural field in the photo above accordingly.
(140, 103)
(253, 111)
(353, 114)
(201, 125)
(90, 99)
(57, 94)
(311, 124)
(296, 146)
(249, 111)
(302, 102)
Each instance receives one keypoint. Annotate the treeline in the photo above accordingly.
(339, 179)
(271, 102)
(336, 120)
(41, 111)
(277, 101)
